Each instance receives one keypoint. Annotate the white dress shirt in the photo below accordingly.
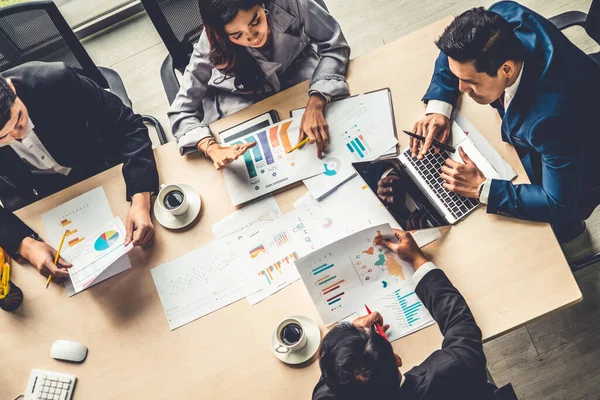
(35, 154)
(441, 107)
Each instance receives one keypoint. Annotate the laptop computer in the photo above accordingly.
(412, 191)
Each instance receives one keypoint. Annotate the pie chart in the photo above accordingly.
(332, 166)
(106, 240)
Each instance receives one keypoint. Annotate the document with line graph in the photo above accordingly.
(270, 165)
(202, 281)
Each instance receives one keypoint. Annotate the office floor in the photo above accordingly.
(557, 357)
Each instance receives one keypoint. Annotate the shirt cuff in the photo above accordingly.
(439, 107)
(422, 271)
(330, 85)
(188, 142)
(326, 96)
(485, 191)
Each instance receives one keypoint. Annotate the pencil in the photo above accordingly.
(57, 256)
(379, 329)
(302, 143)
(435, 142)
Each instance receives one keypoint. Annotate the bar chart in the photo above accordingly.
(269, 165)
(357, 144)
(269, 272)
(411, 306)
(271, 145)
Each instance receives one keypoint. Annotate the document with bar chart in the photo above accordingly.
(361, 128)
(83, 218)
(344, 276)
(273, 252)
(92, 256)
(270, 165)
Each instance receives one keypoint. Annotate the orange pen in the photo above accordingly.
(379, 328)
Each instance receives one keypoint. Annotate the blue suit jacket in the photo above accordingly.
(552, 120)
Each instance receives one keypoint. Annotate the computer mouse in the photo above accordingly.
(68, 350)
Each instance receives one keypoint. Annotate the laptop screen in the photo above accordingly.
(395, 189)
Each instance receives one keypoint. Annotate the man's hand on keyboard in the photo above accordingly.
(462, 179)
(433, 126)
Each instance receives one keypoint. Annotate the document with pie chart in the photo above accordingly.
(361, 128)
(270, 165)
(344, 276)
(93, 255)
(93, 236)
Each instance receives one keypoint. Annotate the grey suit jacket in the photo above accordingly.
(307, 43)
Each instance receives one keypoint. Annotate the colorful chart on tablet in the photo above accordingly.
(269, 166)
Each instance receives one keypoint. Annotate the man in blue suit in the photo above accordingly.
(547, 92)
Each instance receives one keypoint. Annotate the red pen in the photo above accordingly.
(379, 329)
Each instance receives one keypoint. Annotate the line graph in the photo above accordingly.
(200, 274)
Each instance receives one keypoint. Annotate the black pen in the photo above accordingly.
(435, 142)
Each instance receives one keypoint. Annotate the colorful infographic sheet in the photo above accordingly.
(358, 131)
(344, 276)
(273, 252)
(92, 257)
(269, 165)
(82, 218)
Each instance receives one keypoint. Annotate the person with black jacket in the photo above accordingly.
(357, 363)
(57, 128)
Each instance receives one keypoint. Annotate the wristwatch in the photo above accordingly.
(481, 185)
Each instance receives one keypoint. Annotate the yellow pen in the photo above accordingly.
(57, 256)
(302, 143)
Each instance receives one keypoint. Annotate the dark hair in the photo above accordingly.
(7, 99)
(357, 363)
(230, 58)
(483, 37)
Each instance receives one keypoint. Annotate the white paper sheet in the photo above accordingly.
(269, 165)
(350, 208)
(202, 281)
(94, 255)
(273, 252)
(82, 216)
(344, 276)
(355, 134)
(488, 151)
(248, 220)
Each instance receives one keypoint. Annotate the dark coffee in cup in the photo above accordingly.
(173, 199)
(291, 334)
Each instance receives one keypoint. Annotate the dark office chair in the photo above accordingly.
(179, 25)
(590, 22)
(37, 31)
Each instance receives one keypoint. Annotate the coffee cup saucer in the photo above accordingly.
(313, 336)
(181, 221)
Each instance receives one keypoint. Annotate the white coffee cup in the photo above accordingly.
(169, 195)
(292, 325)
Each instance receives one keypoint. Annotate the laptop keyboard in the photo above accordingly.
(430, 168)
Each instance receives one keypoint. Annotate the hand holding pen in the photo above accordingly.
(433, 127)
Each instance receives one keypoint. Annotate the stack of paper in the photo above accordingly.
(94, 241)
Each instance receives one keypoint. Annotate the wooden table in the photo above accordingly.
(511, 272)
